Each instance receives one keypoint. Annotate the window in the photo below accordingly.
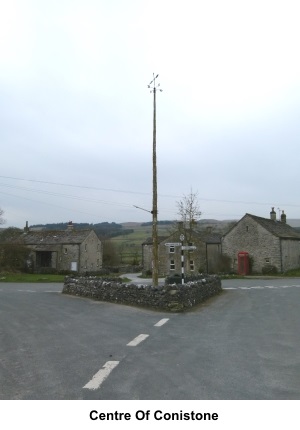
(98, 262)
(267, 260)
(172, 248)
(65, 250)
(192, 265)
(172, 265)
(247, 227)
(85, 247)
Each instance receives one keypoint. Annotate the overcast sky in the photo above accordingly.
(76, 114)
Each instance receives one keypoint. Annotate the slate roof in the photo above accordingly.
(52, 237)
(277, 228)
(210, 238)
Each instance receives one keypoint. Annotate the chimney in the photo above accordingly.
(273, 215)
(70, 226)
(283, 217)
(26, 228)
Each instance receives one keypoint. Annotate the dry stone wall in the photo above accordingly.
(171, 297)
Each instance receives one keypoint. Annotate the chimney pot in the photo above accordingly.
(283, 217)
(273, 215)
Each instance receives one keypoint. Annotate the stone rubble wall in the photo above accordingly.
(172, 297)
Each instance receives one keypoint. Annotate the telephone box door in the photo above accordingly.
(243, 263)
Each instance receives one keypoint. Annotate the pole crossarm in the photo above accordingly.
(153, 85)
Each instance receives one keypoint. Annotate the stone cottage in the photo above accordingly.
(63, 250)
(202, 253)
(262, 245)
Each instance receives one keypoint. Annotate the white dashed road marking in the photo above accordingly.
(101, 375)
(271, 287)
(138, 340)
(26, 291)
(161, 322)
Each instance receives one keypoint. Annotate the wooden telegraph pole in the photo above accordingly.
(154, 211)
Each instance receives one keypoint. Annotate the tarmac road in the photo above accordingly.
(242, 344)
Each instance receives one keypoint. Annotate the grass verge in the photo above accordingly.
(34, 277)
(30, 277)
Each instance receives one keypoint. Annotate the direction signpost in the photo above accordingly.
(183, 248)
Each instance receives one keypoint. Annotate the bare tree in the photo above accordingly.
(189, 210)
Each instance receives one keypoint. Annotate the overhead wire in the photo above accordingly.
(204, 199)
(65, 195)
(47, 203)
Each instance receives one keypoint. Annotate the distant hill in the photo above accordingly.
(167, 224)
(104, 230)
(131, 224)
(293, 222)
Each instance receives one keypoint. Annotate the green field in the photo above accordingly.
(30, 277)
(129, 247)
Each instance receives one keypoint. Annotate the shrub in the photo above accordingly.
(13, 257)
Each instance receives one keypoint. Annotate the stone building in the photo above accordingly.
(262, 245)
(205, 258)
(63, 250)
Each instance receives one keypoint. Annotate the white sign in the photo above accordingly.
(173, 244)
(188, 248)
(74, 266)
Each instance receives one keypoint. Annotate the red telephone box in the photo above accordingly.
(243, 263)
